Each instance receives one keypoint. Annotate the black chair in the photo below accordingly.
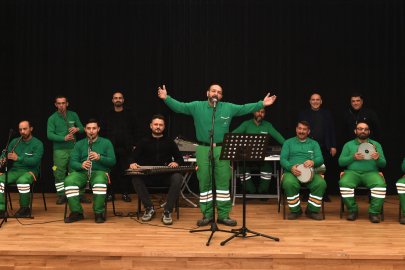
(38, 182)
(176, 206)
(284, 199)
(342, 205)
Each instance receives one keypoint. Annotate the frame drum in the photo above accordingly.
(366, 149)
(306, 173)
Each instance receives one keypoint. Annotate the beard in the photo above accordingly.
(362, 136)
(157, 132)
(118, 104)
(259, 119)
(212, 99)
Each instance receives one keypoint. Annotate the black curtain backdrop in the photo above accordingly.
(88, 50)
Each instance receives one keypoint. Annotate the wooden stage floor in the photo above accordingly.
(46, 242)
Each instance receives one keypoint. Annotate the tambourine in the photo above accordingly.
(366, 149)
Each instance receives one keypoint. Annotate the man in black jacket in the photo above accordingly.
(322, 130)
(357, 113)
(120, 126)
(157, 150)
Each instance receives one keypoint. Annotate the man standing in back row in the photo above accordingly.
(62, 128)
(202, 112)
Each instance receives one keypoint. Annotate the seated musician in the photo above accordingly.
(362, 172)
(157, 150)
(98, 160)
(302, 150)
(258, 125)
(26, 158)
(401, 192)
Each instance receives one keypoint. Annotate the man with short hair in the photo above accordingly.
(358, 113)
(362, 172)
(98, 160)
(26, 158)
(120, 126)
(157, 150)
(202, 112)
(61, 129)
(302, 150)
(258, 125)
(322, 130)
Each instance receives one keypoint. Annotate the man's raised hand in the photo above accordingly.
(162, 93)
(268, 100)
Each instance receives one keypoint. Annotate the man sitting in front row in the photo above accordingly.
(99, 160)
(362, 172)
(157, 150)
(302, 150)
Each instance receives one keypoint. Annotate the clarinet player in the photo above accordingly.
(61, 129)
(96, 154)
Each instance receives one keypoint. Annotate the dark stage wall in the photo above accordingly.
(88, 50)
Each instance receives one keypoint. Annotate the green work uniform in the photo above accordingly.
(99, 174)
(57, 130)
(295, 152)
(362, 172)
(202, 113)
(401, 189)
(266, 169)
(24, 170)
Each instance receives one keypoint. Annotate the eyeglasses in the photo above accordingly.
(361, 129)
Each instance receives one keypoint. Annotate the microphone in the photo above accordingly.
(215, 101)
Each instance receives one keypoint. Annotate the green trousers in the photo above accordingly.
(291, 186)
(77, 180)
(266, 169)
(223, 173)
(401, 193)
(23, 179)
(61, 165)
(372, 180)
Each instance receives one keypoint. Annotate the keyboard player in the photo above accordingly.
(157, 150)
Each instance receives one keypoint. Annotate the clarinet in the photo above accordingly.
(64, 117)
(88, 158)
(1, 162)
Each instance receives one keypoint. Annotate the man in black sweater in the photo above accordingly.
(157, 150)
(357, 113)
(120, 126)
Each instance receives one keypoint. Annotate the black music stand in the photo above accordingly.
(5, 151)
(242, 147)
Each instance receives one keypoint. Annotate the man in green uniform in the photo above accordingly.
(99, 161)
(258, 125)
(61, 129)
(202, 112)
(362, 172)
(401, 193)
(27, 159)
(302, 150)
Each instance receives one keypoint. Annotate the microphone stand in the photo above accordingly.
(214, 227)
(5, 151)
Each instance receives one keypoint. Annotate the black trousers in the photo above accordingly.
(174, 180)
(118, 178)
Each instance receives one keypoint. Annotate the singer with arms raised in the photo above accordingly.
(99, 160)
(157, 150)
(62, 128)
(26, 158)
(202, 112)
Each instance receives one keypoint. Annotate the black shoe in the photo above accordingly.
(83, 199)
(73, 217)
(166, 218)
(62, 200)
(313, 215)
(294, 215)
(149, 214)
(352, 216)
(100, 218)
(110, 197)
(402, 220)
(227, 221)
(326, 198)
(374, 218)
(126, 198)
(205, 221)
(23, 212)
